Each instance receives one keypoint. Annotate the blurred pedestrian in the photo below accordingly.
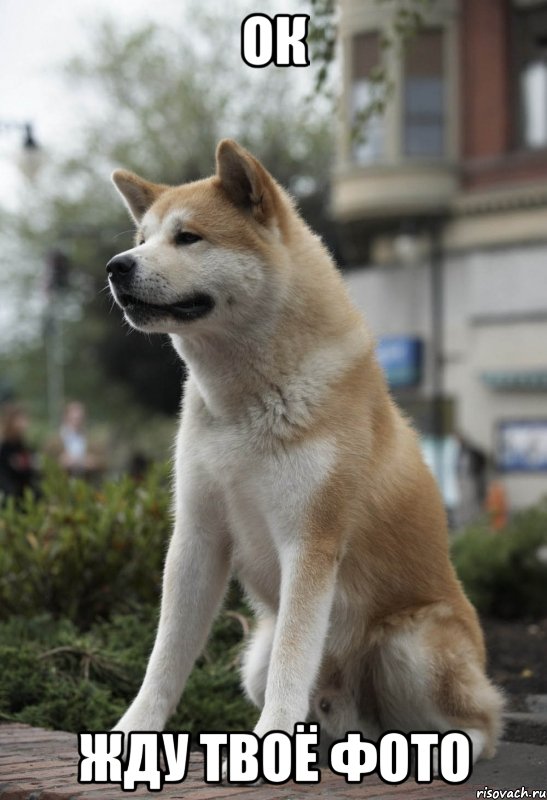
(139, 464)
(497, 506)
(472, 465)
(74, 452)
(18, 468)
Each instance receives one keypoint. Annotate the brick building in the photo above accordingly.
(443, 210)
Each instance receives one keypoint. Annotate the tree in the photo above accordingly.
(160, 106)
(404, 19)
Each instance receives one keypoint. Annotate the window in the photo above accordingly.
(424, 101)
(367, 136)
(530, 39)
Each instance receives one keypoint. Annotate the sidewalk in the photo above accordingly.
(42, 765)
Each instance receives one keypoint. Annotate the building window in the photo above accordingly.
(530, 39)
(424, 96)
(367, 130)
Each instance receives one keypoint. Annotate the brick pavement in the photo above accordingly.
(42, 765)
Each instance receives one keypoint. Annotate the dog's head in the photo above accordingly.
(204, 251)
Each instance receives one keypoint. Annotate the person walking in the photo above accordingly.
(18, 470)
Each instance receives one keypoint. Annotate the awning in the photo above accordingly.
(529, 380)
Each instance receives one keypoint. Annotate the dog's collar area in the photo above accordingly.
(190, 307)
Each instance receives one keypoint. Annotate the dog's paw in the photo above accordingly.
(136, 719)
(139, 717)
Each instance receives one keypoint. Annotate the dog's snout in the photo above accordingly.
(120, 266)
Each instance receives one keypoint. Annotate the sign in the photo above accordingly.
(401, 358)
(522, 446)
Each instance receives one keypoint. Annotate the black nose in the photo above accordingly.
(120, 266)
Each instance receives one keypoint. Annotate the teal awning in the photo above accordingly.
(516, 380)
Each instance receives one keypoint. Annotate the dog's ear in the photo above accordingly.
(138, 194)
(246, 182)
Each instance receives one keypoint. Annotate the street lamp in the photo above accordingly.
(437, 345)
(30, 161)
(26, 128)
(29, 142)
(57, 282)
(408, 245)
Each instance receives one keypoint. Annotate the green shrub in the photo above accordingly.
(80, 575)
(502, 572)
(53, 675)
(83, 553)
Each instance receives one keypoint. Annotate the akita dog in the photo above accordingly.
(295, 471)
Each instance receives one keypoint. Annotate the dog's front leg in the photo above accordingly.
(195, 578)
(308, 575)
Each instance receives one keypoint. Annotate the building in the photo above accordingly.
(442, 205)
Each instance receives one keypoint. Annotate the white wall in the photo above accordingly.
(495, 312)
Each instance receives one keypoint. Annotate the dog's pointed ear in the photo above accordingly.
(246, 182)
(137, 193)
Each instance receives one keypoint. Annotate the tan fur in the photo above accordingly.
(400, 647)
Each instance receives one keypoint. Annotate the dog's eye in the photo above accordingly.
(185, 237)
(141, 241)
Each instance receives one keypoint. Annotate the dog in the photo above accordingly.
(294, 470)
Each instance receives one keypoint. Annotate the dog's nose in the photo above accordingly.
(120, 266)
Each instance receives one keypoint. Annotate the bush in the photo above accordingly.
(53, 675)
(82, 553)
(80, 575)
(502, 572)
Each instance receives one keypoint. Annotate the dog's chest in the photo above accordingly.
(267, 489)
(267, 496)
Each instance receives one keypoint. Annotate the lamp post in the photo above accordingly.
(57, 282)
(30, 161)
(408, 252)
(437, 343)
(29, 143)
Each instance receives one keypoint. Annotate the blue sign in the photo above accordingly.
(401, 358)
(522, 445)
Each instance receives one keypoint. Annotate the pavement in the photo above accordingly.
(36, 764)
(529, 723)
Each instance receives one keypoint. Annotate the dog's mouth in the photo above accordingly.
(190, 307)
